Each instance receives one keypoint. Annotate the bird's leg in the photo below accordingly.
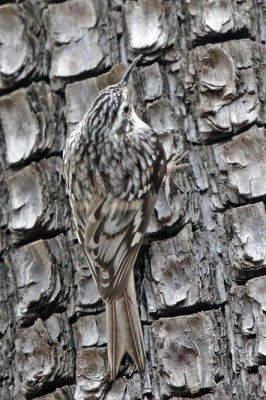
(173, 164)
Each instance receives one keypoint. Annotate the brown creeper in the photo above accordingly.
(114, 165)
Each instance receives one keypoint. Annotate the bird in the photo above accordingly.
(113, 166)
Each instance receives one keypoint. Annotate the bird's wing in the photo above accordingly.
(111, 232)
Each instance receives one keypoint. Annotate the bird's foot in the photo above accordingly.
(173, 164)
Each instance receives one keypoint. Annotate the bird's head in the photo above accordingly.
(112, 111)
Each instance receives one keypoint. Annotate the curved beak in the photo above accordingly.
(125, 79)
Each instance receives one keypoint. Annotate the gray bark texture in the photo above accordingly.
(201, 274)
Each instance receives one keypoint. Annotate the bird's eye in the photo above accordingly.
(126, 109)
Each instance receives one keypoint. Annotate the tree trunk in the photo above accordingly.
(201, 275)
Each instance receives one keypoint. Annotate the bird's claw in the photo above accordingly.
(173, 164)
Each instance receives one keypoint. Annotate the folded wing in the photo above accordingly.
(111, 231)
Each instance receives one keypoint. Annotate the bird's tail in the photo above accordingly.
(124, 333)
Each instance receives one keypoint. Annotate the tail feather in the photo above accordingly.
(124, 333)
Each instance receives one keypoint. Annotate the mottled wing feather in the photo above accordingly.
(125, 250)
(111, 239)
(82, 211)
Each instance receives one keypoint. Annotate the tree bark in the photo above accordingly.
(201, 274)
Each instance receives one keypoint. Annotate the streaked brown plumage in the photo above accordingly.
(114, 164)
